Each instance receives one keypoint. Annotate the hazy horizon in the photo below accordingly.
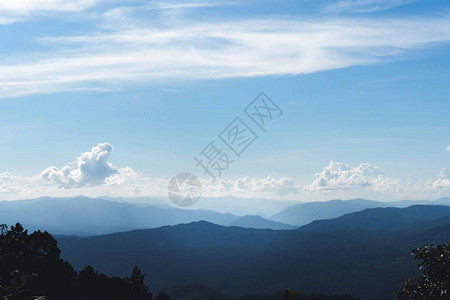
(116, 98)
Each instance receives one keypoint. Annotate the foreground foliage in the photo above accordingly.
(434, 283)
(31, 266)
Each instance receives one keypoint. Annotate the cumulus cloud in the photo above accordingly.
(341, 176)
(447, 148)
(91, 174)
(90, 168)
(439, 186)
(251, 186)
(445, 173)
(443, 182)
(340, 180)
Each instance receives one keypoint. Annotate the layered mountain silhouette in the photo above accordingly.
(363, 254)
(304, 213)
(258, 222)
(413, 218)
(88, 216)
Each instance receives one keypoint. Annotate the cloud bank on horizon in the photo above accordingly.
(91, 174)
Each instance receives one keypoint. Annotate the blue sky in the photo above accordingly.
(363, 85)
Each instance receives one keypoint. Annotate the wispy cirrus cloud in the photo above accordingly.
(190, 4)
(364, 6)
(20, 10)
(29, 6)
(191, 50)
(23, 10)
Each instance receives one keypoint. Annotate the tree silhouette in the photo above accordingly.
(139, 290)
(34, 260)
(434, 283)
(290, 294)
(162, 296)
(30, 266)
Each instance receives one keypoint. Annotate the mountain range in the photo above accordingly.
(358, 247)
(363, 254)
(304, 213)
(88, 216)
(92, 216)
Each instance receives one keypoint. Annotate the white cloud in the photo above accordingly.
(445, 173)
(189, 4)
(7, 20)
(340, 180)
(268, 187)
(20, 10)
(439, 186)
(126, 52)
(94, 176)
(27, 6)
(443, 182)
(91, 174)
(364, 6)
(341, 176)
(448, 148)
(90, 168)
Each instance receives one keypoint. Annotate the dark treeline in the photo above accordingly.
(31, 266)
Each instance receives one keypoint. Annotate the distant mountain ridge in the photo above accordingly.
(389, 218)
(257, 222)
(366, 261)
(92, 216)
(304, 213)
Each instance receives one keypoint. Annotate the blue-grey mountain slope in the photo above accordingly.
(365, 261)
(88, 216)
(304, 213)
(389, 218)
(258, 222)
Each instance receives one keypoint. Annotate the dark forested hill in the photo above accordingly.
(360, 261)
(304, 213)
(258, 222)
(389, 218)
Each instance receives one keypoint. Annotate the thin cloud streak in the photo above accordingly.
(364, 6)
(22, 10)
(196, 51)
